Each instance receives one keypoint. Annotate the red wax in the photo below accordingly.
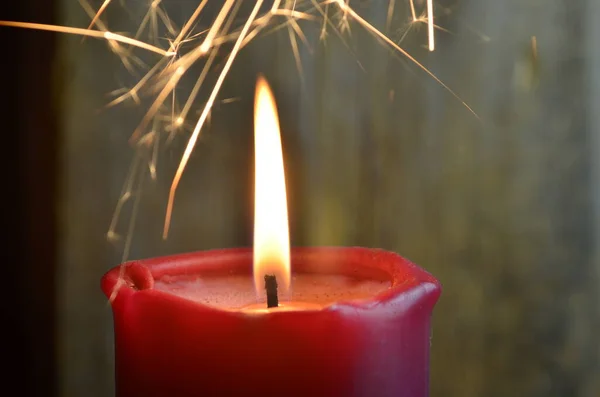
(169, 344)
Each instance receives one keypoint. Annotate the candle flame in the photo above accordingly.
(271, 232)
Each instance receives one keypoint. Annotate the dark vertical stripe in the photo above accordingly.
(29, 161)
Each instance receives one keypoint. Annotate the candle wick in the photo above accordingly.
(271, 287)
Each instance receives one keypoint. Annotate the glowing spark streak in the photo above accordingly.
(114, 46)
(325, 14)
(100, 11)
(295, 50)
(412, 10)
(124, 197)
(158, 102)
(153, 140)
(137, 43)
(252, 35)
(131, 228)
(390, 13)
(430, 25)
(188, 24)
(275, 6)
(402, 51)
(154, 158)
(166, 21)
(133, 92)
(134, 212)
(153, 24)
(181, 66)
(344, 25)
(294, 25)
(192, 97)
(262, 22)
(143, 24)
(192, 142)
(91, 33)
(214, 29)
(205, 70)
(295, 14)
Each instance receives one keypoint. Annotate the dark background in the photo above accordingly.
(31, 141)
(504, 211)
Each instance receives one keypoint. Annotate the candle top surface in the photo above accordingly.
(237, 291)
(322, 277)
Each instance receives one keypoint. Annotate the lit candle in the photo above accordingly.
(347, 322)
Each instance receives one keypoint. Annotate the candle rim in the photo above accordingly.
(408, 281)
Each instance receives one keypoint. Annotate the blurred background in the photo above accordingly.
(504, 209)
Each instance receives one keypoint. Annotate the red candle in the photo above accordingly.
(346, 322)
(174, 335)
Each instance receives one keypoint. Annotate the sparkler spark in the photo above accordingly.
(109, 36)
(431, 33)
(192, 44)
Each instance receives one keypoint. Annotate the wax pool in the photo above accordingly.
(236, 292)
(358, 325)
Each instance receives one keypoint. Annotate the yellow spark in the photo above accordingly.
(196, 89)
(114, 46)
(192, 142)
(205, 70)
(188, 24)
(166, 21)
(323, 33)
(133, 218)
(137, 43)
(91, 33)
(296, 28)
(294, 14)
(412, 10)
(275, 6)
(154, 158)
(296, 52)
(214, 29)
(124, 197)
(133, 93)
(430, 31)
(390, 13)
(100, 11)
(263, 22)
(401, 50)
(158, 102)
(169, 70)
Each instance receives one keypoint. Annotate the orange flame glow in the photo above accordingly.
(271, 232)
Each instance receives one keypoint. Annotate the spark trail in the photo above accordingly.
(198, 41)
